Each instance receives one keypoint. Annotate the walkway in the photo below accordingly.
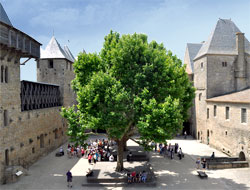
(49, 172)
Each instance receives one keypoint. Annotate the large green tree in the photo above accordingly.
(130, 87)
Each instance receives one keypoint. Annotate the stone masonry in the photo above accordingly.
(220, 70)
(25, 136)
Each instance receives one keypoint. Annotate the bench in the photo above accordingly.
(202, 174)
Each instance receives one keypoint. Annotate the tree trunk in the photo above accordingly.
(120, 145)
(125, 146)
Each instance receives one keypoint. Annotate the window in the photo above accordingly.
(243, 115)
(38, 64)
(2, 71)
(207, 113)
(51, 64)
(227, 112)
(215, 110)
(5, 117)
(67, 65)
(224, 64)
(6, 74)
(201, 65)
(200, 96)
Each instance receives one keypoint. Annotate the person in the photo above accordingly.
(198, 163)
(89, 158)
(176, 146)
(172, 153)
(129, 178)
(140, 176)
(212, 156)
(204, 163)
(89, 173)
(61, 151)
(69, 178)
(144, 176)
(133, 176)
(111, 158)
(185, 134)
(180, 153)
(129, 158)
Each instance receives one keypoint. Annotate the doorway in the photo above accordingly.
(242, 156)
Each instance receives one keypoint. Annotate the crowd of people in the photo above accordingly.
(98, 150)
(169, 150)
(134, 177)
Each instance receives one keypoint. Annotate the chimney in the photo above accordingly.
(240, 46)
(240, 69)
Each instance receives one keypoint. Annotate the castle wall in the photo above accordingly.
(28, 135)
(229, 135)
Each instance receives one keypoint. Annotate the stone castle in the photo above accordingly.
(220, 71)
(30, 121)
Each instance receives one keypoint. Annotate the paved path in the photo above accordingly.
(49, 172)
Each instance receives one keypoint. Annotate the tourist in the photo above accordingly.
(61, 151)
(89, 158)
(204, 163)
(140, 176)
(180, 153)
(133, 176)
(198, 161)
(82, 151)
(176, 146)
(129, 157)
(172, 153)
(185, 134)
(129, 178)
(69, 178)
(111, 158)
(212, 156)
(144, 176)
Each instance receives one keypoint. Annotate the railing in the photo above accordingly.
(39, 95)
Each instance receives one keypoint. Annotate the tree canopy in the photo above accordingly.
(131, 86)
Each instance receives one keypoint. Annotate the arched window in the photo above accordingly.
(6, 74)
(200, 96)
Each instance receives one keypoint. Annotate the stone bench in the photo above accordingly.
(224, 165)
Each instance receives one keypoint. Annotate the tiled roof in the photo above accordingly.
(54, 51)
(3, 16)
(222, 40)
(235, 97)
(191, 51)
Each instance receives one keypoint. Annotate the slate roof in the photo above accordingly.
(54, 51)
(222, 40)
(235, 97)
(191, 51)
(3, 16)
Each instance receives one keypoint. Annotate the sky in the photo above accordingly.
(83, 24)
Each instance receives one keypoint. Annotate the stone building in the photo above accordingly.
(220, 71)
(30, 121)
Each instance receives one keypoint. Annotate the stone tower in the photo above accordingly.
(55, 66)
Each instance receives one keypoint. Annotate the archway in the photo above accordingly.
(242, 156)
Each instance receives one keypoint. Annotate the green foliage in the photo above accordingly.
(131, 86)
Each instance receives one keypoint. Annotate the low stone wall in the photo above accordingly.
(225, 165)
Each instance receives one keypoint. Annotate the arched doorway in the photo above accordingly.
(242, 156)
(6, 157)
(198, 135)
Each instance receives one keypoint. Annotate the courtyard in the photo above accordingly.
(50, 171)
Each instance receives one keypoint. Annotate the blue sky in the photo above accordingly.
(82, 24)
